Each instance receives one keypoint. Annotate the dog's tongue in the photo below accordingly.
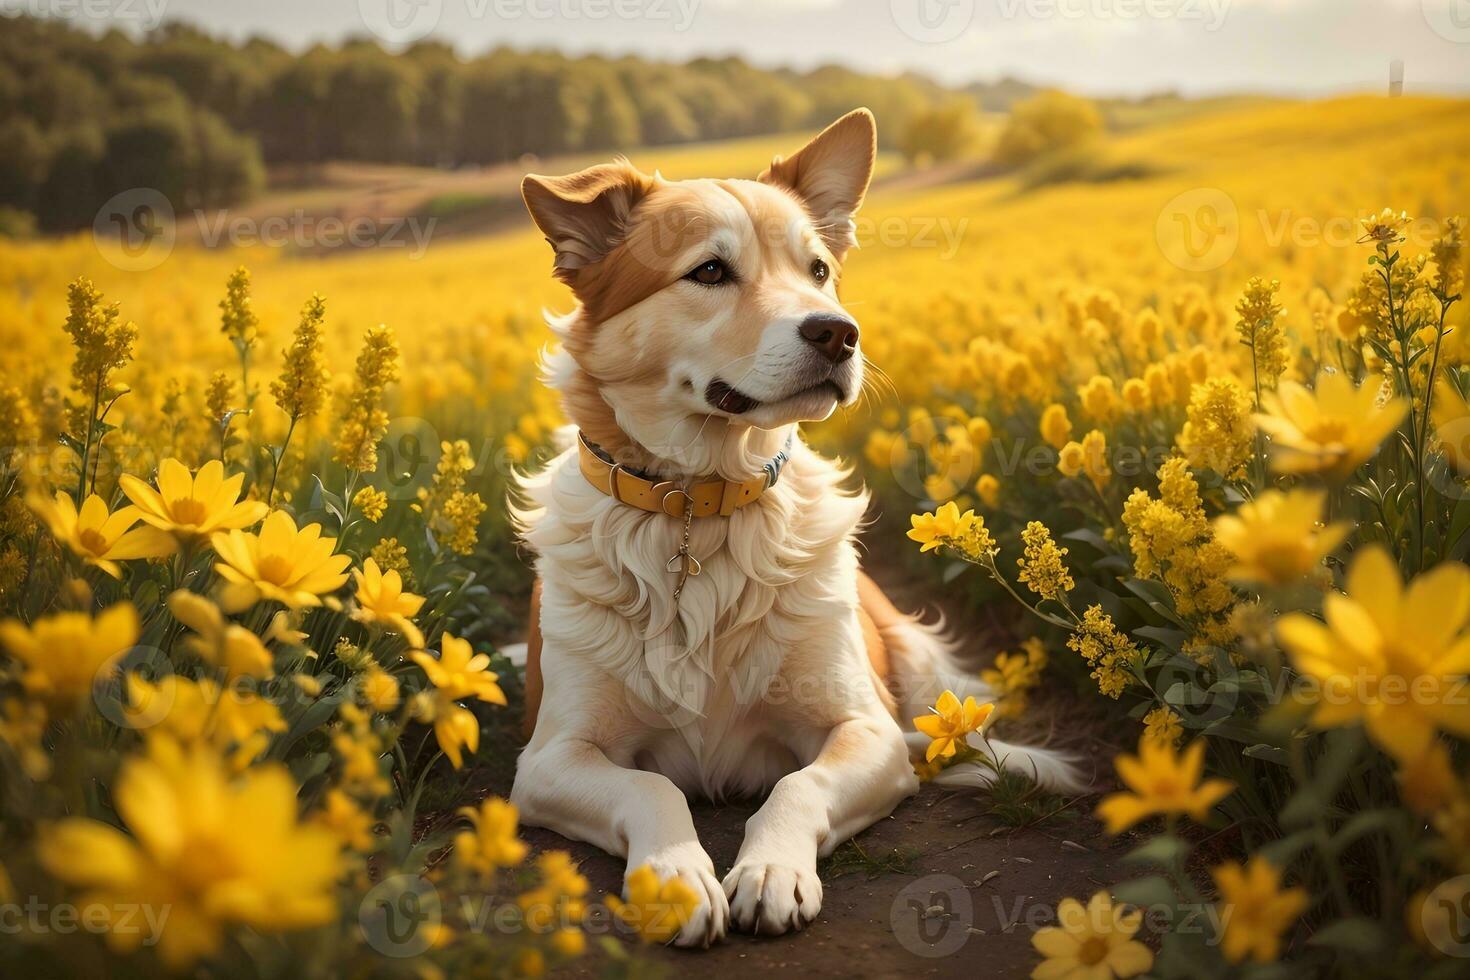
(727, 399)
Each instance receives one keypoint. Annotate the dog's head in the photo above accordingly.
(707, 300)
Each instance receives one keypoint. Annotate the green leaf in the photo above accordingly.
(1358, 936)
(1170, 639)
(1166, 851)
(1153, 891)
(1362, 824)
(1282, 852)
(1266, 753)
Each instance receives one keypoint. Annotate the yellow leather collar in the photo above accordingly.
(711, 497)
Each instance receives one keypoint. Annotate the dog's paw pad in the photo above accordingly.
(771, 899)
(711, 918)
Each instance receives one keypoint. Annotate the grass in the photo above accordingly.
(851, 858)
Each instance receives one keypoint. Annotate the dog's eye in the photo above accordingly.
(711, 273)
(820, 272)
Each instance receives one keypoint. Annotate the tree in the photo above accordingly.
(1044, 124)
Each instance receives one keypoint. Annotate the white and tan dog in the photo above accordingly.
(708, 326)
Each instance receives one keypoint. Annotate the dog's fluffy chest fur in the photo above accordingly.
(699, 674)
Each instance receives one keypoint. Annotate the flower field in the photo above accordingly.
(1196, 413)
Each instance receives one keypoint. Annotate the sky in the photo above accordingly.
(1099, 47)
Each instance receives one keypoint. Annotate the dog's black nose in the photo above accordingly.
(831, 333)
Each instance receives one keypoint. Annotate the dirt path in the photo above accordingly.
(942, 888)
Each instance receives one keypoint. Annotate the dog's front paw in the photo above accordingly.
(712, 916)
(769, 899)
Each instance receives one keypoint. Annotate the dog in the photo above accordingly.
(701, 625)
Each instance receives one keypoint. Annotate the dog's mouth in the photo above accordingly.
(727, 398)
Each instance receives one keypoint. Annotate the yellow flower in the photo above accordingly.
(1390, 658)
(302, 386)
(1255, 910)
(1056, 427)
(1218, 431)
(988, 488)
(1071, 459)
(1041, 565)
(559, 898)
(100, 538)
(381, 600)
(280, 564)
(1095, 943)
(1135, 395)
(456, 729)
(461, 517)
(218, 395)
(372, 503)
(1277, 538)
(1105, 649)
(1095, 459)
(940, 527)
(22, 725)
(214, 851)
(656, 910)
(392, 557)
(66, 653)
(1162, 725)
(366, 421)
(239, 723)
(361, 770)
(966, 533)
(1385, 228)
(1428, 784)
(346, 821)
(218, 642)
(1164, 782)
(1261, 330)
(1015, 674)
(459, 672)
(1330, 430)
(237, 320)
(493, 842)
(951, 722)
(379, 690)
(193, 507)
(1099, 398)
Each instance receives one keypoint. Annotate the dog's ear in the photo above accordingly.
(585, 215)
(830, 174)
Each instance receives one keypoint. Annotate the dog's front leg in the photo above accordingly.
(859, 776)
(569, 785)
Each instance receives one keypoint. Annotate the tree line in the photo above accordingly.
(198, 118)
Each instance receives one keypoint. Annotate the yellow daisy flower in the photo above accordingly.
(218, 642)
(100, 538)
(381, 600)
(1331, 429)
(657, 911)
(1278, 538)
(63, 655)
(193, 507)
(951, 722)
(1092, 943)
(1391, 658)
(187, 852)
(280, 564)
(1161, 781)
(493, 842)
(1255, 910)
(458, 672)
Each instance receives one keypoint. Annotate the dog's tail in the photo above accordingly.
(921, 666)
